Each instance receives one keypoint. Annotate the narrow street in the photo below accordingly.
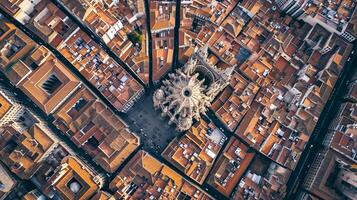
(176, 36)
(149, 43)
(329, 112)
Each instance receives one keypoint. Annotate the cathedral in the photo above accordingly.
(190, 90)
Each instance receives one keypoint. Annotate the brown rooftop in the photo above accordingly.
(95, 128)
(5, 105)
(50, 84)
(74, 180)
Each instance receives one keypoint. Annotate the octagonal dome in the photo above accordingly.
(182, 97)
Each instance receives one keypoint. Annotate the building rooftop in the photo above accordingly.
(264, 180)
(7, 182)
(73, 180)
(5, 105)
(101, 195)
(343, 131)
(50, 84)
(95, 128)
(195, 152)
(101, 70)
(146, 177)
(33, 195)
(266, 75)
(14, 44)
(49, 22)
(23, 151)
(324, 179)
(230, 166)
(122, 27)
(234, 102)
(162, 15)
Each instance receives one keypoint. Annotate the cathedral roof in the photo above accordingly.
(188, 92)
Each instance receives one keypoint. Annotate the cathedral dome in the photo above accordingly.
(188, 92)
(184, 98)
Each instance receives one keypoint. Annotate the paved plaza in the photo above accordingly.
(154, 131)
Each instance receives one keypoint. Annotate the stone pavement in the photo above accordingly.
(153, 130)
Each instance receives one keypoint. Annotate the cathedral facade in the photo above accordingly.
(189, 91)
